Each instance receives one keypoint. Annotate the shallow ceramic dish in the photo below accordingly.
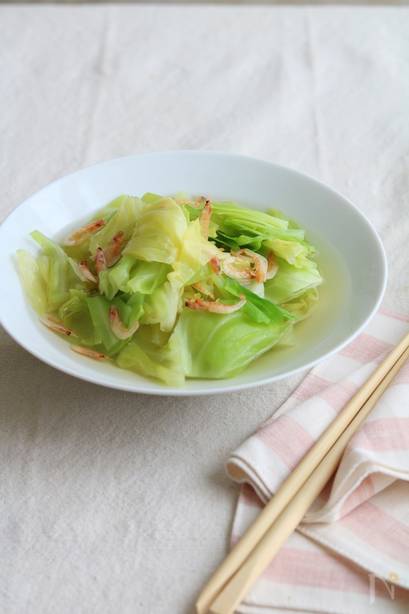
(351, 259)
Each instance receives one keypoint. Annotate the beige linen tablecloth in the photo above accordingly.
(116, 503)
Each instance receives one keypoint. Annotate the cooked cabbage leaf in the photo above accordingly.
(130, 275)
(302, 305)
(150, 354)
(218, 346)
(58, 274)
(290, 281)
(76, 316)
(162, 306)
(32, 281)
(159, 233)
(126, 211)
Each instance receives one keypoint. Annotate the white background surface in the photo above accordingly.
(114, 503)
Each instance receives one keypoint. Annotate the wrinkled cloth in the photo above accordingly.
(118, 503)
(358, 528)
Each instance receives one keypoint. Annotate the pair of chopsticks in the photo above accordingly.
(282, 514)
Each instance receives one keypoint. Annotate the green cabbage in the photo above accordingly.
(159, 233)
(296, 253)
(257, 308)
(193, 255)
(99, 311)
(290, 281)
(75, 315)
(301, 306)
(56, 270)
(126, 212)
(218, 346)
(261, 232)
(130, 275)
(147, 276)
(167, 268)
(150, 198)
(151, 354)
(32, 281)
(112, 280)
(135, 303)
(112, 207)
(162, 306)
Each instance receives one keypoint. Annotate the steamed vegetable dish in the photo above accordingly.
(174, 288)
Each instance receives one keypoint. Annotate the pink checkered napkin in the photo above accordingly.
(351, 553)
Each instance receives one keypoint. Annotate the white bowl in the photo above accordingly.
(352, 258)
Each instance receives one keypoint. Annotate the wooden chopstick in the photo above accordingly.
(241, 582)
(296, 479)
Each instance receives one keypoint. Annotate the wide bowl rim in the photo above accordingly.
(208, 391)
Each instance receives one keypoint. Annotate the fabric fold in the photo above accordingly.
(361, 517)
